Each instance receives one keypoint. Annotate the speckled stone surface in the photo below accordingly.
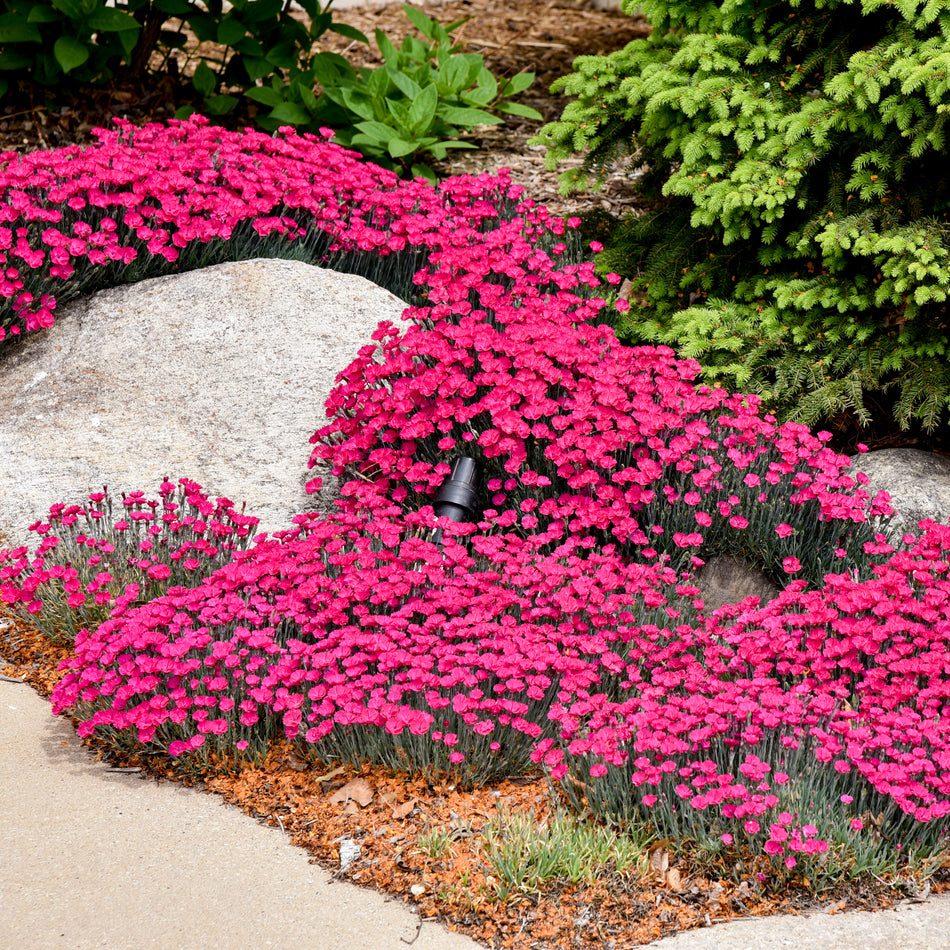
(218, 375)
(917, 481)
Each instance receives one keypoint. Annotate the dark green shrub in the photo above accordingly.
(796, 178)
(249, 41)
(254, 41)
(82, 38)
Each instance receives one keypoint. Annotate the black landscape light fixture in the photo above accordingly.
(457, 495)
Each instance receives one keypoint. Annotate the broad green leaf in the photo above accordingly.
(289, 113)
(261, 10)
(308, 98)
(479, 96)
(110, 20)
(220, 105)
(378, 131)
(40, 14)
(398, 147)
(257, 67)
(378, 84)
(516, 108)
(425, 25)
(359, 105)
(71, 8)
(204, 79)
(386, 47)
(407, 86)
(15, 29)
(487, 82)
(231, 31)
(12, 59)
(455, 24)
(467, 118)
(423, 171)
(350, 32)
(264, 94)
(423, 109)
(204, 27)
(311, 7)
(127, 39)
(442, 146)
(173, 39)
(517, 84)
(398, 111)
(330, 69)
(70, 53)
(283, 55)
(366, 144)
(319, 25)
(248, 46)
(457, 74)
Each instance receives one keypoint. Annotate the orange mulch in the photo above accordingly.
(389, 816)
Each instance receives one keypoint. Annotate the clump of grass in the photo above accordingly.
(528, 855)
(436, 843)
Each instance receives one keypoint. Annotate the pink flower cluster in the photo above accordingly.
(735, 716)
(96, 562)
(507, 364)
(356, 621)
(154, 193)
(563, 623)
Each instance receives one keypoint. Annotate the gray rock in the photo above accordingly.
(729, 580)
(217, 375)
(917, 481)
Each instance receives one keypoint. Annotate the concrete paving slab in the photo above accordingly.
(92, 859)
(910, 926)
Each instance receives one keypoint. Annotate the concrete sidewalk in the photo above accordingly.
(91, 858)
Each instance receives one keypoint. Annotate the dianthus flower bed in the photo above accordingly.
(562, 626)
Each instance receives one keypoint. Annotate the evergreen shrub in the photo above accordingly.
(794, 170)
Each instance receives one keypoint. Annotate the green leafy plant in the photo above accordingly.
(419, 102)
(525, 855)
(793, 163)
(220, 49)
(250, 43)
(84, 39)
